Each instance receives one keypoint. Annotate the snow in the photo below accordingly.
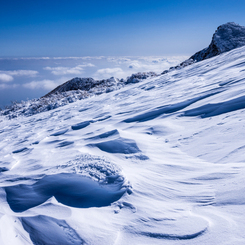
(160, 161)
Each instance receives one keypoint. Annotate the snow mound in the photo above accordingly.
(95, 167)
(119, 145)
(48, 230)
(69, 189)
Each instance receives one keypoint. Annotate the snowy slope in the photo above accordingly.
(157, 162)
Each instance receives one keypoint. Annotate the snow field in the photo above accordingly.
(157, 162)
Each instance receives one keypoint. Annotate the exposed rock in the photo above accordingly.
(227, 37)
(84, 84)
(180, 66)
(71, 91)
(98, 86)
(135, 78)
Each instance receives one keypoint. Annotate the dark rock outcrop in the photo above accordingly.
(138, 77)
(227, 37)
(98, 86)
(84, 84)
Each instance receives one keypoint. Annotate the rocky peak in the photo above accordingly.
(227, 37)
(84, 84)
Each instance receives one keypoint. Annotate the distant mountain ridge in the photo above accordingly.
(99, 86)
(71, 91)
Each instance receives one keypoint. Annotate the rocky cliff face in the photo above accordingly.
(227, 37)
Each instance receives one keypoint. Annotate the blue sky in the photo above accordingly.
(89, 27)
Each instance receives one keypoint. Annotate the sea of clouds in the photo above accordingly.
(32, 77)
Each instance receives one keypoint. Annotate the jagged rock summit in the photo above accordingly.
(98, 86)
(227, 37)
(84, 84)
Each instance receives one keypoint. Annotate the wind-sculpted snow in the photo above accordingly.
(59, 132)
(211, 110)
(47, 230)
(120, 145)
(156, 162)
(20, 150)
(182, 234)
(80, 125)
(65, 143)
(156, 112)
(69, 189)
(105, 135)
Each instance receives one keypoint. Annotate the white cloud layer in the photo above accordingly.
(109, 72)
(56, 58)
(144, 64)
(29, 73)
(44, 84)
(6, 78)
(62, 70)
(8, 86)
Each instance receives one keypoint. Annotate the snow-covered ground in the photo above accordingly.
(157, 162)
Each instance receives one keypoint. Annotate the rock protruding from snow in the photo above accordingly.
(180, 66)
(71, 91)
(99, 86)
(135, 78)
(84, 84)
(227, 37)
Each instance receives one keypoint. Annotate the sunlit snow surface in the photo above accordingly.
(158, 162)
